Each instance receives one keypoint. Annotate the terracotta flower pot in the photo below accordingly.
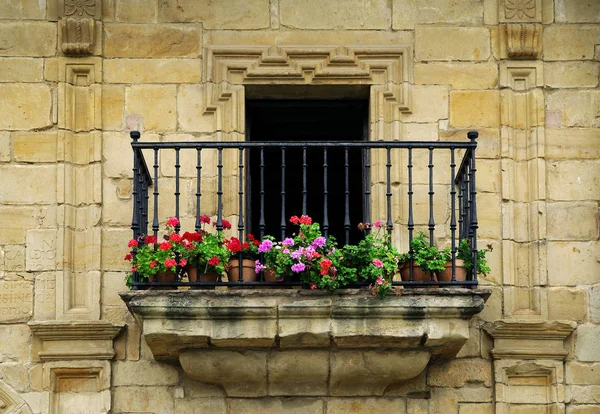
(446, 274)
(164, 277)
(248, 273)
(193, 276)
(418, 274)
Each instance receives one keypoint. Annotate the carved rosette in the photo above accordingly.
(77, 25)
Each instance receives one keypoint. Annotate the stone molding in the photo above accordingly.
(64, 340)
(77, 25)
(358, 344)
(11, 402)
(526, 339)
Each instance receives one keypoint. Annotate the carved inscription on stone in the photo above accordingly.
(14, 258)
(45, 297)
(41, 250)
(16, 301)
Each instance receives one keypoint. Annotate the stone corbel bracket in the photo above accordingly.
(309, 343)
(526, 339)
(68, 340)
(77, 25)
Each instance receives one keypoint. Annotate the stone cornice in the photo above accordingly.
(67, 340)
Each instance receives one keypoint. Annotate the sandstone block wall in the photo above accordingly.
(76, 76)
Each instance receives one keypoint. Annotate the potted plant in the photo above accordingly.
(465, 257)
(426, 260)
(154, 261)
(374, 257)
(247, 252)
(205, 252)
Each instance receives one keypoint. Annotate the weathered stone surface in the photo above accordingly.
(488, 142)
(114, 249)
(41, 250)
(582, 409)
(156, 400)
(35, 147)
(17, 301)
(276, 406)
(113, 107)
(298, 373)
(25, 106)
(570, 42)
(573, 263)
(5, 146)
(114, 212)
(15, 375)
(144, 373)
(156, 40)
(239, 14)
(114, 146)
(468, 408)
(366, 405)
(27, 39)
(452, 43)
(190, 105)
(589, 394)
(429, 104)
(595, 304)
(474, 108)
(201, 406)
(581, 373)
(21, 70)
(576, 108)
(152, 70)
(15, 341)
(337, 14)
(572, 221)
(155, 103)
(586, 344)
(16, 221)
(573, 180)
(458, 372)
(45, 297)
(571, 143)
(575, 11)
(571, 74)
(489, 215)
(407, 14)
(136, 11)
(23, 9)
(566, 304)
(458, 75)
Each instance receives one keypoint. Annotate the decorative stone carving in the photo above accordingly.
(523, 41)
(520, 10)
(11, 402)
(253, 342)
(77, 25)
(54, 340)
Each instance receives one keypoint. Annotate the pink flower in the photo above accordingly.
(378, 223)
(298, 267)
(170, 263)
(288, 242)
(265, 246)
(259, 267)
(153, 264)
(377, 263)
(173, 221)
(133, 243)
(313, 286)
(183, 262)
(379, 281)
(319, 242)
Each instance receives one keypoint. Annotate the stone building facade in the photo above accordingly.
(77, 75)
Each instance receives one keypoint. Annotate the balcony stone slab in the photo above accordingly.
(302, 342)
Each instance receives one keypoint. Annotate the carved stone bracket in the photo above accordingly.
(77, 25)
(58, 340)
(523, 40)
(288, 342)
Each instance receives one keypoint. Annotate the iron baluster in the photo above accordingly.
(198, 186)
(240, 210)
(325, 195)
(304, 184)
(453, 213)
(283, 221)
(177, 193)
(388, 194)
(347, 196)
(411, 222)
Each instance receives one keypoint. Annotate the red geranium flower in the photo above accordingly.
(294, 220)
(128, 256)
(170, 263)
(173, 221)
(305, 220)
(133, 243)
(214, 261)
(175, 237)
(204, 219)
(165, 245)
(153, 264)
(233, 245)
(193, 237)
(149, 239)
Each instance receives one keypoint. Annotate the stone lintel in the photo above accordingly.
(527, 339)
(219, 335)
(68, 340)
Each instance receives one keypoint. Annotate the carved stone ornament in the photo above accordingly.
(78, 26)
(523, 41)
(520, 10)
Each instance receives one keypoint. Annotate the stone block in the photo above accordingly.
(14, 258)
(155, 103)
(595, 304)
(155, 400)
(452, 43)
(407, 14)
(336, 14)
(421, 132)
(25, 106)
(5, 146)
(118, 156)
(576, 11)
(586, 344)
(21, 70)
(27, 38)
(468, 408)
(298, 373)
(23, 9)
(474, 108)
(566, 304)
(276, 406)
(15, 222)
(488, 143)
(15, 375)
(143, 373)
(571, 74)
(112, 283)
(113, 107)
(136, 11)
(571, 143)
(201, 406)
(589, 394)
(572, 221)
(116, 210)
(35, 147)
(15, 342)
(191, 104)
(582, 409)
(573, 180)
(16, 304)
(366, 405)
(429, 104)
(582, 374)
(239, 14)
(151, 40)
(573, 263)
(570, 42)
(458, 75)
(114, 249)
(152, 70)
(45, 297)
(489, 215)
(576, 108)
(41, 250)
(459, 372)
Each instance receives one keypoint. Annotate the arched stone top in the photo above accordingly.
(11, 402)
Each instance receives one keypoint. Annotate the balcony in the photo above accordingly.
(227, 330)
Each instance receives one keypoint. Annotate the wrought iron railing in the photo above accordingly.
(462, 218)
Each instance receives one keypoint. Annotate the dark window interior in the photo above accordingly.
(301, 121)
